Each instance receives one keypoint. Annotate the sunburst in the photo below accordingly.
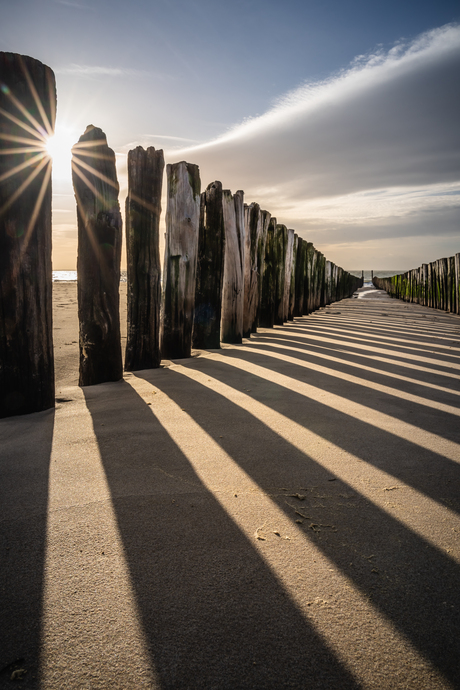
(24, 154)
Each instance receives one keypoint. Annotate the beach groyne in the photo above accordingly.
(435, 285)
(229, 267)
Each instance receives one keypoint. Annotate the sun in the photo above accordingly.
(59, 148)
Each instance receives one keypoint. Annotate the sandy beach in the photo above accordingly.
(281, 514)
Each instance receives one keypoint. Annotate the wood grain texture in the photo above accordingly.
(233, 285)
(210, 270)
(143, 210)
(99, 252)
(181, 251)
(28, 108)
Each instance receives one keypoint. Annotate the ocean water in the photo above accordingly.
(71, 277)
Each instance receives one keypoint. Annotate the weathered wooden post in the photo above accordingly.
(27, 114)
(292, 291)
(264, 222)
(457, 283)
(280, 271)
(181, 249)
(143, 210)
(287, 273)
(210, 270)
(95, 184)
(267, 302)
(252, 230)
(300, 277)
(233, 287)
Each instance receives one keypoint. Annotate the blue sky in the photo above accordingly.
(341, 119)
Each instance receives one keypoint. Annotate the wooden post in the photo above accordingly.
(181, 249)
(287, 273)
(99, 252)
(457, 283)
(300, 277)
(292, 292)
(267, 302)
(252, 230)
(27, 114)
(233, 287)
(280, 271)
(143, 210)
(210, 270)
(264, 222)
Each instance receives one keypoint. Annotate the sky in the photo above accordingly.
(341, 119)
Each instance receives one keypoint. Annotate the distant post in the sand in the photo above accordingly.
(143, 210)
(99, 251)
(27, 114)
(181, 249)
(267, 302)
(209, 270)
(233, 286)
(281, 235)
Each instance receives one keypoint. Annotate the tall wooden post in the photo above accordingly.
(96, 189)
(181, 249)
(264, 222)
(288, 262)
(233, 287)
(27, 114)
(300, 277)
(280, 272)
(210, 270)
(267, 302)
(292, 292)
(143, 210)
(252, 229)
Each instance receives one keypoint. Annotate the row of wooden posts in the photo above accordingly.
(229, 268)
(436, 284)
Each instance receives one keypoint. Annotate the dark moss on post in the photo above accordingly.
(181, 249)
(252, 224)
(233, 285)
(280, 272)
(292, 290)
(27, 102)
(143, 210)
(210, 270)
(267, 303)
(99, 252)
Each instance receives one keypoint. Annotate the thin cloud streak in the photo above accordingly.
(101, 71)
(376, 146)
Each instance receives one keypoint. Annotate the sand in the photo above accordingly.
(281, 514)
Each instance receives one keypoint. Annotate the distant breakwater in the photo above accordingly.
(435, 285)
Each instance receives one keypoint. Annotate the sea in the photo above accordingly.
(71, 276)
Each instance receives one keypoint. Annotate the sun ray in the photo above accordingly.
(23, 125)
(22, 166)
(92, 170)
(38, 127)
(83, 177)
(33, 218)
(23, 186)
(38, 143)
(37, 99)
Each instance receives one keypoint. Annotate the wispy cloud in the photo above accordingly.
(385, 127)
(76, 5)
(101, 71)
(169, 137)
